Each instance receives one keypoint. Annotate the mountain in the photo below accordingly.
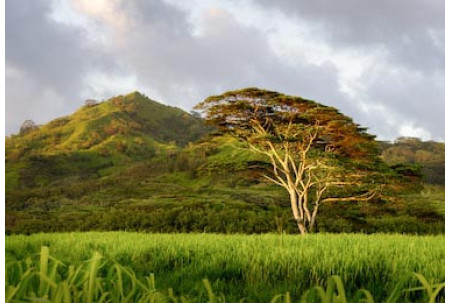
(97, 136)
(132, 123)
(132, 163)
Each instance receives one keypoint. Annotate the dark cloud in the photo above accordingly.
(47, 51)
(46, 63)
(412, 97)
(183, 54)
(166, 56)
(411, 30)
(409, 82)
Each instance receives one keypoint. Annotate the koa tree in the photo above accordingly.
(317, 154)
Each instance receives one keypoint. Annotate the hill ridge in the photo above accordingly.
(132, 121)
(126, 163)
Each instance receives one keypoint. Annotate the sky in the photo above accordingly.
(379, 62)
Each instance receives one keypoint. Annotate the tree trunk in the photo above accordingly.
(301, 227)
(296, 212)
(313, 218)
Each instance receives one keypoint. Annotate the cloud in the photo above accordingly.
(45, 64)
(185, 61)
(408, 28)
(28, 99)
(399, 49)
(365, 58)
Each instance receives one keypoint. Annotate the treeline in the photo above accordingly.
(212, 218)
(205, 187)
(426, 156)
(208, 186)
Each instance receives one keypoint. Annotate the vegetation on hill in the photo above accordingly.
(85, 144)
(427, 156)
(130, 163)
(126, 125)
(317, 154)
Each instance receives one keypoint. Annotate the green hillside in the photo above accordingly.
(429, 156)
(129, 124)
(130, 163)
(96, 138)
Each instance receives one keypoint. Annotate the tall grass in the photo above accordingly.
(256, 267)
(85, 283)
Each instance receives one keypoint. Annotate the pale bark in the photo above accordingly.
(301, 176)
(296, 213)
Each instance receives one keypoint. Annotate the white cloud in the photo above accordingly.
(100, 85)
(385, 70)
(409, 130)
(107, 11)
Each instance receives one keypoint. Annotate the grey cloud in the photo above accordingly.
(409, 29)
(160, 49)
(411, 32)
(413, 97)
(49, 61)
(27, 98)
(52, 53)
(186, 68)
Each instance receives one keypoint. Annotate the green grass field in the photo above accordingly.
(256, 267)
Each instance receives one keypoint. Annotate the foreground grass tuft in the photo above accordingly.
(100, 280)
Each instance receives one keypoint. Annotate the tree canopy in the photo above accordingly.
(317, 154)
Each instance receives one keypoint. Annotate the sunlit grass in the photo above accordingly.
(86, 283)
(257, 267)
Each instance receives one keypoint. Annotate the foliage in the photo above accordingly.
(428, 155)
(183, 191)
(255, 267)
(317, 154)
(27, 126)
(166, 194)
(131, 124)
(131, 181)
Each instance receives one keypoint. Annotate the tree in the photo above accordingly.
(317, 154)
(27, 126)
(90, 102)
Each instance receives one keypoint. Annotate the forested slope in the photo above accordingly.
(130, 163)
